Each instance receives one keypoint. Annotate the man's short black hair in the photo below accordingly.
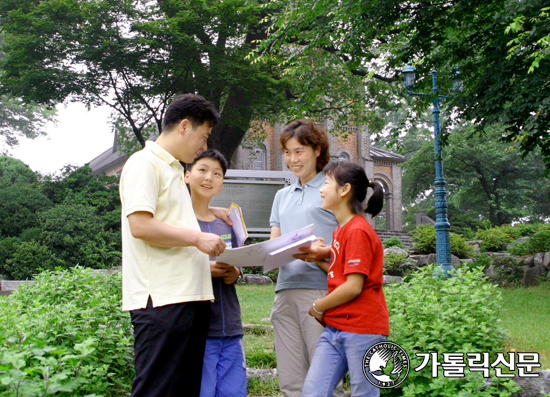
(192, 107)
(211, 154)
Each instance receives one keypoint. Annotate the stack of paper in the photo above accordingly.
(271, 253)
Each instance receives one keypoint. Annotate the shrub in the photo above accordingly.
(393, 242)
(394, 264)
(66, 333)
(8, 246)
(30, 258)
(494, 239)
(539, 242)
(433, 314)
(527, 229)
(507, 271)
(424, 237)
(459, 246)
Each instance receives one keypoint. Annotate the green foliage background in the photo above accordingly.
(66, 335)
(68, 219)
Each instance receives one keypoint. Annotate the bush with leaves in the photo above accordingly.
(539, 242)
(393, 242)
(395, 264)
(66, 335)
(494, 239)
(424, 238)
(435, 314)
(31, 258)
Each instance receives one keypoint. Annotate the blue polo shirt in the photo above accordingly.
(295, 207)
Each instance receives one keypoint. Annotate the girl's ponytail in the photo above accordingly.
(376, 201)
(347, 172)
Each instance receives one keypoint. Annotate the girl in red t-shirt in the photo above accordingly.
(354, 310)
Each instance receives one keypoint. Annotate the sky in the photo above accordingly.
(79, 136)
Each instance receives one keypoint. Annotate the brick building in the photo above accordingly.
(382, 165)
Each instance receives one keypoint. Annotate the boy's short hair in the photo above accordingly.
(192, 107)
(211, 154)
(308, 134)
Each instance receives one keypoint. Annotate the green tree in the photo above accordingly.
(486, 178)
(376, 38)
(136, 56)
(15, 171)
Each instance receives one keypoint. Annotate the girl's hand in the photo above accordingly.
(316, 252)
(317, 316)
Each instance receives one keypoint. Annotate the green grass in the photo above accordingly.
(256, 302)
(526, 318)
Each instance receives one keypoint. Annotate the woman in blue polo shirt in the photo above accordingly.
(300, 282)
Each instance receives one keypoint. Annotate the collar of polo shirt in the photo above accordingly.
(316, 181)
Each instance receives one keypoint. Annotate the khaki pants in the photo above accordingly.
(296, 336)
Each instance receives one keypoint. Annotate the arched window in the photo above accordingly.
(343, 157)
(259, 159)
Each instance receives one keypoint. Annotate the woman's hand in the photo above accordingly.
(317, 251)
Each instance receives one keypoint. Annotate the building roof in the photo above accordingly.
(381, 154)
(112, 156)
(105, 159)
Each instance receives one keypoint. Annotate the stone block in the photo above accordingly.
(395, 250)
(528, 261)
(432, 258)
(391, 280)
(546, 260)
(476, 244)
(519, 240)
(256, 279)
(455, 261)
(531, 276)
(533, 387)
(12, 285)
(421, 260)
(538, 259)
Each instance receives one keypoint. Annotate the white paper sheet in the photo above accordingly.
(235, 214)
(256, 254)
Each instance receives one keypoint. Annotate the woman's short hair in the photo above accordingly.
(308, 134)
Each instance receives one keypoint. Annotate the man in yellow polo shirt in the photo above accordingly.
(166, 283)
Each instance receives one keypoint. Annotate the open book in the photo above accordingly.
(271, 253)
(235, 214)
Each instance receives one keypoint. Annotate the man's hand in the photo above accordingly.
(221, 213)
(231, 275)
(316, 252)
(219, 269)
(211, 244)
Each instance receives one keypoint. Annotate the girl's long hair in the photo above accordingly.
(348, 172)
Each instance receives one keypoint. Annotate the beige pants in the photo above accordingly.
(296, 336)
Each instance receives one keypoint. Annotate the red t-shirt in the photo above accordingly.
(356, 248)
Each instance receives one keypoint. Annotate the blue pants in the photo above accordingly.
(224, 368)
(336, 353)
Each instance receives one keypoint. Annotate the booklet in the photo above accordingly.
(271, 253)
(235, 214)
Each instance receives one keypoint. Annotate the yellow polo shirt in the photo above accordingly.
(152, 181)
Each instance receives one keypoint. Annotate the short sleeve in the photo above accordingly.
(139, 188)
(274, 219)
(358, 253)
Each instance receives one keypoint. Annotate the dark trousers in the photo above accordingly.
(169, 349)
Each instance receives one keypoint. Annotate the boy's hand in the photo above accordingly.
(231, 275)
(219, 269)
(221, 213)
(316, 252)
(211, 244)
